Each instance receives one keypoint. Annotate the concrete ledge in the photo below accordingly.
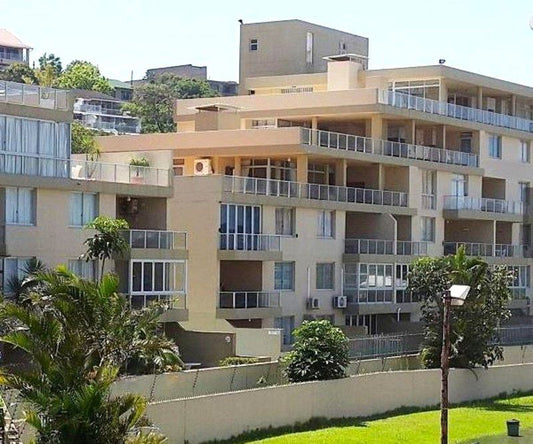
(248, 313)
(481, 215)
(382, 308)
(174, 315)
(240, 255)
(379, 258)
(156, 253)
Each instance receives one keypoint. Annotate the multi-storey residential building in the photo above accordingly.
(310, 198)
(289, 47)
(104, 112)
(47, 196)
(122, 91)
(12, 50)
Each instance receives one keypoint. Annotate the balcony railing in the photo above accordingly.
(121, 173)
(99, 109)
(33, 165)
(332, 193)
(483, 204)
(157, 239)
(382, 246)
(31, 95)
(175, 300)
(349, 142)
(485, 249)
(122, 125)
(402, 100)
(248, 299)
(249, 242)
(429, 201)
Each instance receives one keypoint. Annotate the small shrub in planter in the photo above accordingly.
(237, 360)
(138, 165)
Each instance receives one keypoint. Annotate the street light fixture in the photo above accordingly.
(454, 296)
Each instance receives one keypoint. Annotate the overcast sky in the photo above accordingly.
(491, 37)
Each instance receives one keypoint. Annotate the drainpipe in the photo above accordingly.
(308, 282)
(398, 314)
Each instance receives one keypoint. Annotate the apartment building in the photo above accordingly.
(310, 198)
(289, 47)
(12, 50)
(47, 196)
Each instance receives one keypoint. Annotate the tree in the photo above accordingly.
(18, 72)
(50, 60)
(154, 101)
(107, 241)
(84, 141)
(474, 326)
(320, 352)
(78, 336)
(18, 288)
(83, 75)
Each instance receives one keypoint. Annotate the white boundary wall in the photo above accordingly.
(224, 415)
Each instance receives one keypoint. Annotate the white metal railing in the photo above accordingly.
(412, 248)
(120, 125)
(157, 239)
(408, 101)
(485, 249)
(372, 296)
(172, 299)
(368, 246)
(483, 204)
(280, 188)
(429, 201)
(249, 242)
(99, 109)
(121, 173)
(27, 164)
(349, 142)
(32, 95)
(248, 299)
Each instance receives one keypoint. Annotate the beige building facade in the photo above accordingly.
(312, 204)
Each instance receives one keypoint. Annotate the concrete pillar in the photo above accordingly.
(443, 92)
(493, 235)
(410, 132)
(513, 105)
(340, 172)
(237, 170)
(479, 97)
(243, 124)
(443, 137)
(314, 127)
(301, 168)
(376, 127)
(381, 177)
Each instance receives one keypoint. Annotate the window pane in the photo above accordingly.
(158, 276)
(137, 276)
(76, 209)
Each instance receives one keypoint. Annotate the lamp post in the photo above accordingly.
(455, 296)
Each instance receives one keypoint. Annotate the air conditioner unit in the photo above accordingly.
(313, 303)
(340, 302)
(202, 167)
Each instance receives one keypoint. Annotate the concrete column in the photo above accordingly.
(340, 172)
(410, 132)
(243, 124)
(443, 92)
(479, 97)
(314, 127)
(494, 235)
(513, 105)
(376, 127)
(443, 137)
(237, 170)
(381, 177)
(301, 168)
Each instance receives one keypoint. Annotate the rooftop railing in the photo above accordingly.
(120, 173)
(485, 249)
(32, 95)
(157, 239)
(248, 299)
(483, 204)
(312, 191)
(249, 242)
(401, 100)
(348, 142)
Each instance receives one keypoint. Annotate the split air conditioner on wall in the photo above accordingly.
(313, 304)
(340, 302)
(202, 167)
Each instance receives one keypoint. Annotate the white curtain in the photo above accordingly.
(29, 138)
(11, 205)
(13, 144)
(47, 148)
(25, 206)
(75, 209)
(89, 208)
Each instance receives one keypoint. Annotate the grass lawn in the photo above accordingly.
(472, 423)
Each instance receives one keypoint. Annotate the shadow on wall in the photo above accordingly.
(203, 348)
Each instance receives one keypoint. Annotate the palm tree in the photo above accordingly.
(108, 240)
(79, 335)
(18, 288)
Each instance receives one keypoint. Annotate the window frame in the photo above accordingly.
(281, 212)
(81, 216)
(497, 148)
(322, 225)
(33, 206)
(253, 45)
(321, 273)
(283, 286)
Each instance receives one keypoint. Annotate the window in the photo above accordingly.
(325, 276)
(285, 221)
(309, 48)
(253, 45)
(20, 206)
(239, 227)
(428, 189)
(326, 224)
(524, 151)
(83, 269)
(459, 185)
(495, 146)
(82, 208)
(286, 324)
(284, 276)
(428, 229)
(13, 268)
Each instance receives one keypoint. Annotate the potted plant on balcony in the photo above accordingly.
(137, 168)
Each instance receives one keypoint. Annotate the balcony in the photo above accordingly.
(381, 246)
(118, 173)
(31, 95)
(406, 101)
(121, 125)
(173, 302)
(248, 304)
(312, 191)
(245, 246)
(348, 142)
(156, 244)
(485, 249)
(473, 207)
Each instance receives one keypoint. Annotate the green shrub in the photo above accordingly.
(237, 360)
(320, 352)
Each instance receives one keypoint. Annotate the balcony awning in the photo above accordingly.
(216, 107)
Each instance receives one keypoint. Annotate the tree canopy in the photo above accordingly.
(18, 72)
(83, 75)
(474, 333)
(154, 101)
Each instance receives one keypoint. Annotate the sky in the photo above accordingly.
(490, 37)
